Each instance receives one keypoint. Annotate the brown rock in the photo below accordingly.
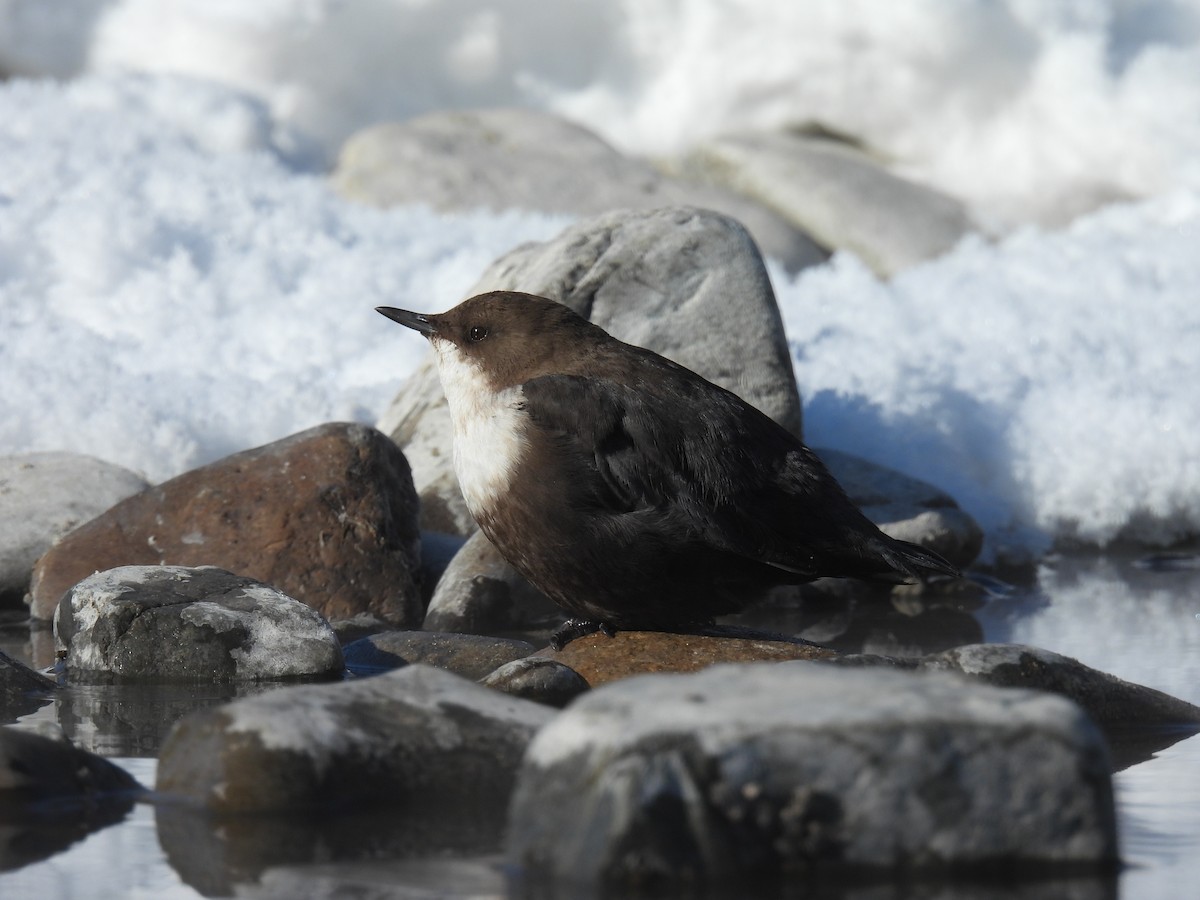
(328, 516)
(601, 659)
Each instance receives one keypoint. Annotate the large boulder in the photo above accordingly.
(171, 623)
(45, 495)
(411, 740)
(527, 159)
(686, 283)
(328, 516)
(797, 770)
(838, 193)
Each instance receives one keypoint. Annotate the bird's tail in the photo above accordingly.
(913, 561)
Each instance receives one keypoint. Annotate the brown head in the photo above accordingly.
(505, 336)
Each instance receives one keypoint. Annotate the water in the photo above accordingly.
(1138, 621)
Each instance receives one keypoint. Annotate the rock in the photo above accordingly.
(468, 655)
(671, 280)
(42, 497)
(837, 193)
(22, 690)
(536, 678)
(480, 593)
(526, 159)
(47, 777)
(907, 508)
(155, 623)
(1137, 720)
(358, 627)
(415, 739)
(328, 516)
(601, 659)
(809, 771)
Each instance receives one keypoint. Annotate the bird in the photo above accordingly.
(631, 491)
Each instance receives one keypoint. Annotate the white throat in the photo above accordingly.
(489, 428)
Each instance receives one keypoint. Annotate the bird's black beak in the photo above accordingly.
(416, 321)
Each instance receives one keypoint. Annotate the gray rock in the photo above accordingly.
(469, 655)
(42, 497)
(418, 738)
(539, 679)
(1137, 720)
(526, 159)
(22, 690)
(192, 624)
(907, 508)
(672, 280)
(801, 769)
(358, 627)
(480, 593)
(842, 196)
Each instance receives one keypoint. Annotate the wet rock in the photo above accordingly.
(42, 497)
(328, 516)
(601, 659)
(1137, 720)
(839, 194)
(539, 679)
(469, 655)
(668, 279)
(178, 624)
(907, 508)
(480, 593)
(415, 739)
(802, 770)
(22, 690)
(358, 627)
(526, 159)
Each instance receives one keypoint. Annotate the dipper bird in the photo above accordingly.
(631, 491)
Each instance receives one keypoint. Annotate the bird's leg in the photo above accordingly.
(577, 628)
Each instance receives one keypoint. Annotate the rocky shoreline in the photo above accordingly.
(344, 555)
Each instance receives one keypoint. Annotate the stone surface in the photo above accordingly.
(686, 283)
(601, 659)
(480, 593)
(1137, 720)
(469, 655)
(526, 159)
(839, 194)
(171, 623)
(437, 552)
(40, 776)
(328, 516)
(418, 738)
(907, 508)
(539, 679)
(22, 690)
(798, 770)
(42, 497)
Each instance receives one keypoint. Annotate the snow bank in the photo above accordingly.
(1031, 111)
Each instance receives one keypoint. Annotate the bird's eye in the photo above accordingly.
(477, 333)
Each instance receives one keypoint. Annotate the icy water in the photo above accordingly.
(1138, 618)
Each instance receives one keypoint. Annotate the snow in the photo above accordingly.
(177, 282)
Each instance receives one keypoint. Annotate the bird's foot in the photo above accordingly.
(577, 628)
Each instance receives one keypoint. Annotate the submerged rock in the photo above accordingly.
(790, 771)
(329, 516)
(469, 655)
(672, 280)
(42, 497)
(170, 623)
(409, 740)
